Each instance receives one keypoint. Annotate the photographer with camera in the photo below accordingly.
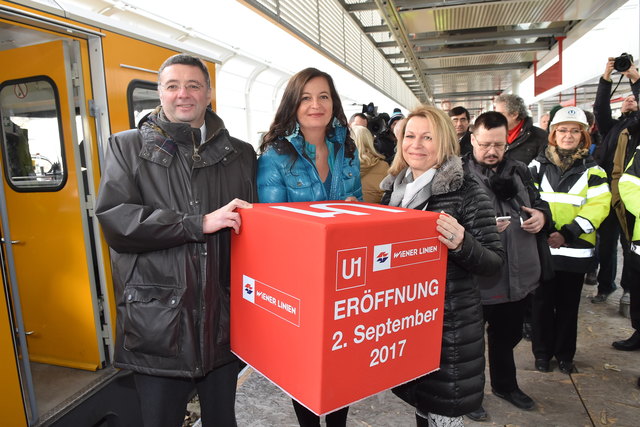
(612, 155)
(384, 140)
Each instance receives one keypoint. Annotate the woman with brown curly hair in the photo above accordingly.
(308, 154)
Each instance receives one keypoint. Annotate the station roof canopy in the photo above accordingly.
(462, 50)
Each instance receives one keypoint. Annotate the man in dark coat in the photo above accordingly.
(524, 140)
(521, 215)
(167, 202)
(461, 121)
(610, 129)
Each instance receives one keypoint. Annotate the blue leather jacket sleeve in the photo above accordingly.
(279, 181)
(357, 185)
(271, 185)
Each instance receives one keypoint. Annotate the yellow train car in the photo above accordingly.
(65, 85)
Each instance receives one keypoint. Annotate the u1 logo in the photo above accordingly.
(350, 268)
(354, 268)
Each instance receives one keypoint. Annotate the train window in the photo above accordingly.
(143, 98)
(32, 135)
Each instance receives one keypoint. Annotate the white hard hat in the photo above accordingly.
(570, 114)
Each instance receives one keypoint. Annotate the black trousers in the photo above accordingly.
(608, 235)
(632, 266)
(555, 316)
(607, 251)
(163, 400)
(504, 332)
(306, 418)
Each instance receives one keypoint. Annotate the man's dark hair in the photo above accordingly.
(185, 59)
(361, 115)
(456, 111)
(491, 120)
(590, 117)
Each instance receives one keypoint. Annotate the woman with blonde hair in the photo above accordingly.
(373, 167)
(427, 174)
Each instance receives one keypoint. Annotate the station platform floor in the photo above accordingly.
(603, 392)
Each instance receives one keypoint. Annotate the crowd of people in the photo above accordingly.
(521, 213)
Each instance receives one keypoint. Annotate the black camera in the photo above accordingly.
(370, 109)
(377, 123)
(623, 62)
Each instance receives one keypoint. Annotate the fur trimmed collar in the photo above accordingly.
(449, 177)
(564, 162)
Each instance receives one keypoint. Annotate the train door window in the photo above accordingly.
(143, 98)
(32, 135)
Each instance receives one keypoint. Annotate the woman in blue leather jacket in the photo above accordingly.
(307, 155)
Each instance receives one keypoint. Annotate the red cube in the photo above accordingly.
(337, 301)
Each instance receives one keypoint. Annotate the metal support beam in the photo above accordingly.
(404, 5)
(483, 50)
(477, 68)
(390, 14)
(360, 7)
(440, 39)
(375, 29)
(470, 98)
(391, 43)
(472, 93)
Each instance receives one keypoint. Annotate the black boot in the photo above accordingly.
(421, 421)
(630, 344)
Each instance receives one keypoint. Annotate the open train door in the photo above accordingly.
(49, 261)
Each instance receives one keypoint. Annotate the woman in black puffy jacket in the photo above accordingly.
(427, 174)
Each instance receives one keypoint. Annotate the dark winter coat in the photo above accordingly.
(385, 144)
(509, 187)
(465, 144)
(171, 281)
(457, 388)
(529, 143)
(611, 128)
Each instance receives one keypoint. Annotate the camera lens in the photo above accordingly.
(376, 125)
(623, 62)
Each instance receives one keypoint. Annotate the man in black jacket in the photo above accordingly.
(524, 140)
(521, 214)
(461, 121)
(610, 129)
(167, 202)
